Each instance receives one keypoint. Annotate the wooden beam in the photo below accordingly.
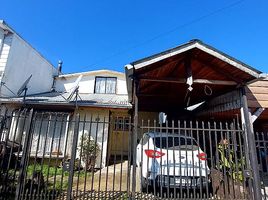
(214, 82)
(134, 135)
(158, 95)
(182, 80)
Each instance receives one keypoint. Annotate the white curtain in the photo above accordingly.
(100, 85)
(105, 85)
(110, 85)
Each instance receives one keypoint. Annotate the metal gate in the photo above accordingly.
(61, 156)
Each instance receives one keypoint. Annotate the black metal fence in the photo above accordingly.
(197, 160)
(46, 155)
(262, 155)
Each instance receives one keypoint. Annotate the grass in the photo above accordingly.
(54, 177)
(47, 171)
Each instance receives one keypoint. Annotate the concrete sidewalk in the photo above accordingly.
(110, 178)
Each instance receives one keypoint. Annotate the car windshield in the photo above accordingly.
(174, 142)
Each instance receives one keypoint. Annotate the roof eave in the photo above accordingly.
(90, 73)
(200, 45)
(71, 104)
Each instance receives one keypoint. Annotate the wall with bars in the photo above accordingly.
(94, 123)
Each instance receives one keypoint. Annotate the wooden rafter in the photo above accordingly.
(220, 71)
(179, 81)
(155, 67)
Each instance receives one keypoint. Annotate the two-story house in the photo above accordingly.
(99, 97)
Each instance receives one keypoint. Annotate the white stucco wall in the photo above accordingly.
(96, 125)
(86, 85)
(22, 61)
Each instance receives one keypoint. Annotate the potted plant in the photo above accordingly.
(89, 151)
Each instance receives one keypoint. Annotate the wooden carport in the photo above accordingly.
(176, 80)
(184, 76)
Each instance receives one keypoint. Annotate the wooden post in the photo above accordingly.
(134, 142)
(250, 140)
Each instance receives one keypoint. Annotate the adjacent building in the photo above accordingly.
(18, 61)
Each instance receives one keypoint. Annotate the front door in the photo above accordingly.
(119, 137)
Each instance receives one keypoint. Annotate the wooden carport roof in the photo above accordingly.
(161, 78)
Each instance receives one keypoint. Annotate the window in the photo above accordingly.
(105, 85)
(169, 142)
(122, 124)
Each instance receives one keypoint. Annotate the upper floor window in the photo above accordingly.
(105, 85)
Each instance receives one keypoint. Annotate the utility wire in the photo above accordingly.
(168, 32)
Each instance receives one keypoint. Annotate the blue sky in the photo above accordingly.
(90, 35)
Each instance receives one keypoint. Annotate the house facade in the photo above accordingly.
(100, 100)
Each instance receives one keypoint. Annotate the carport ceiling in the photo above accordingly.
(161, 79)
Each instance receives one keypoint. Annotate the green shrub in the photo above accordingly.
(89, 151)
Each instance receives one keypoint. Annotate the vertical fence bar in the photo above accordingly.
(2, 123)
(24, 155)
(129, 157)
(3, 168)
(73, 156)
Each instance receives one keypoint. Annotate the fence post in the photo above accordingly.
(25, 151)
(73, 156)
(134, 141)
(248, 126)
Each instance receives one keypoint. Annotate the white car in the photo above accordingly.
(171, 160)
